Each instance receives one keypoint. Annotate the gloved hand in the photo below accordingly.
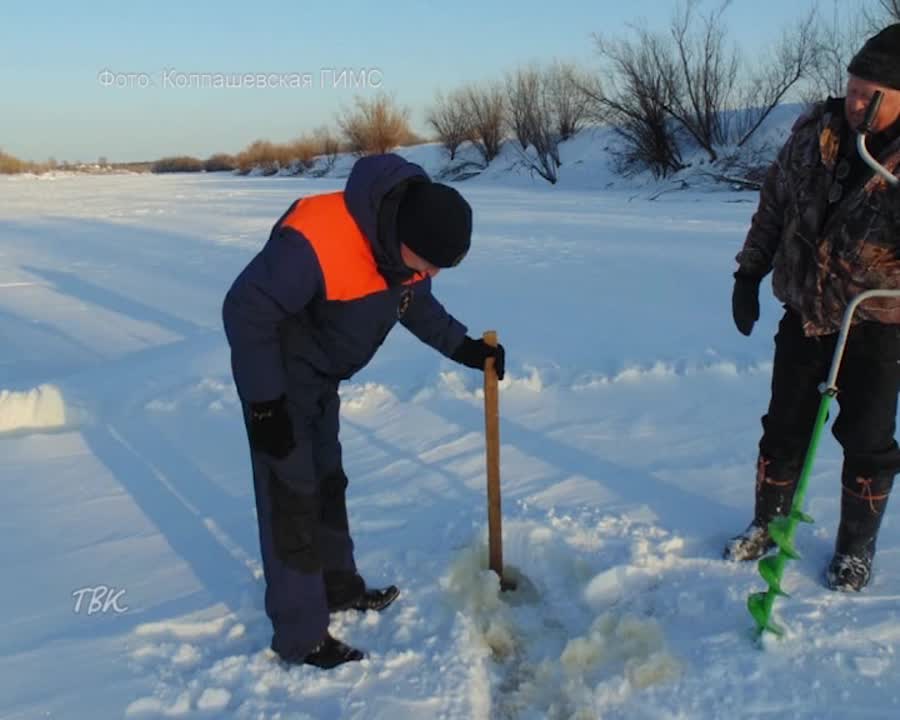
(271, 429)
(745, 302)
(473, 353)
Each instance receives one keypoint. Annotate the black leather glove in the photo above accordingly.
(271, 429)
(745, 302)
(473, 353)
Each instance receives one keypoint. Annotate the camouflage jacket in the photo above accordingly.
(821, 256)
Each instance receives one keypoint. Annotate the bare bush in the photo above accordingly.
(701, 70)
(692, 82)
(220, 162)
(316, 151)
(523, 91)
(262, 155)
(269, 158)
(448, 118)
(485, 115)
(302, 152)
(789, 63)
(327, 147)
(375, 126)
(534, 118)
(177, 163)
(891, 10)
(634, 101)
(838, 38)
(11, 165)
(564, 85)
(544, 141)
(883, 13)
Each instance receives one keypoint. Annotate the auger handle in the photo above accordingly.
(863, 131)
(871, 113)
(831, 384)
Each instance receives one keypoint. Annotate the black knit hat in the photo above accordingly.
(435, 222)
(879, 59)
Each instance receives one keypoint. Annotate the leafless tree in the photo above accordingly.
(450, 120)
(571, 105)
(891, 10)
(883, 13)
(559, 89)
(544, 158)
(839, 35)
(706, 69)
(523, 91)
(485, 111)
(788, 63)
(534, 117)
(633, 100)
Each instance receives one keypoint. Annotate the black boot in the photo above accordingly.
(327, 654)
(775, 485)
(348, 591)
(863, 502)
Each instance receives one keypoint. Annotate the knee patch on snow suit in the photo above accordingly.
(295, 528)
(334, 500)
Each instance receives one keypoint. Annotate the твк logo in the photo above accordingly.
(103, 599)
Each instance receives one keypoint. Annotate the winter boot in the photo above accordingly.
(327, 654)
(863, 502)
(775, 485)
(348, 591)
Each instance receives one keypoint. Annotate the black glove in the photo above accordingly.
(271, 430)
(473, 353)
(745, 302)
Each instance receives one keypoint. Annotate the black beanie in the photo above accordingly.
(879, 59)
(435, 222)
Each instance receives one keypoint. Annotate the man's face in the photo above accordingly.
(859, 94)
(419, 264)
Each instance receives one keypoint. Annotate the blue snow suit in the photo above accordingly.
(310, 310)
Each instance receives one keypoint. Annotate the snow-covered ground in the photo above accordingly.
(630, 418)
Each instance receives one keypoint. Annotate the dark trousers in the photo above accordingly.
(868, 383)
(302, 517)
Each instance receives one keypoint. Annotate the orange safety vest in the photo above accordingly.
(345, 256)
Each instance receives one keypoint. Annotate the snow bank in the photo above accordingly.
(42, 407)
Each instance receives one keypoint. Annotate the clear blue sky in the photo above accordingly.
(51, 54)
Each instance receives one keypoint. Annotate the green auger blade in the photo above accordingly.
(756, 604)
(800, 516)
(779, 529)
(768, 568)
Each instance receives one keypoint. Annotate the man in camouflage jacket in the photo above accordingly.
(828, 228)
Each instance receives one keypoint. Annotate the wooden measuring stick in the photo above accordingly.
(492, 442)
